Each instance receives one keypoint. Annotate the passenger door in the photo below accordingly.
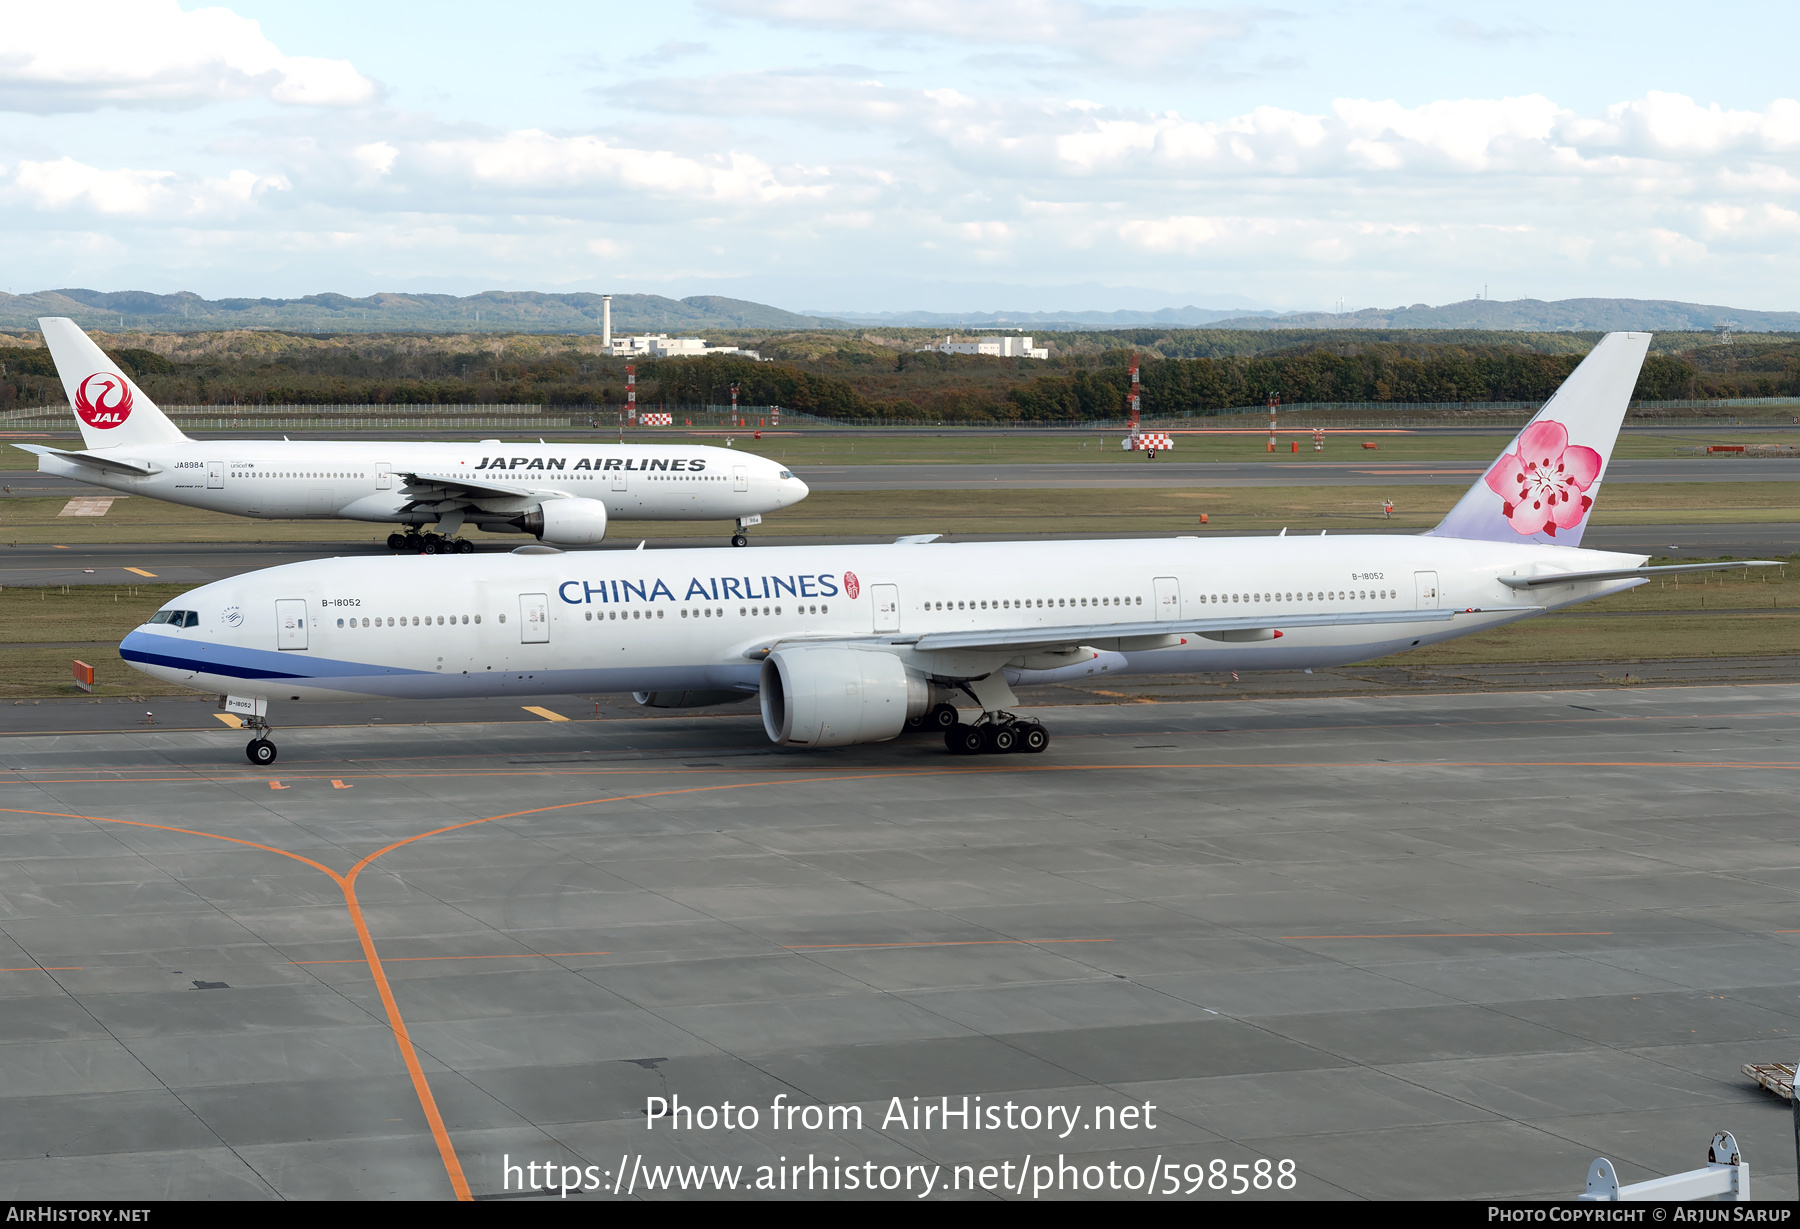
(887, 607)
(1427, 584)
(619, 479)
(534, 618)
(384, 476)
(740, 476)
(1168, 597)
(290, 623)
(215, 475)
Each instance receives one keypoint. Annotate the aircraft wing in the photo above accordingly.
(1139, 636)
(1163, 632)
(418, 482)
(89, 458)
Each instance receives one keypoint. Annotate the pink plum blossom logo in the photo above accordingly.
(1544, 479)
(851, 586)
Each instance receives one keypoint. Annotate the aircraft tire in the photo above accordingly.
(738, 539)
(1032, 738)
(396, 541)
(433, 546)
(464, 546)
(942, 717)
(998, 739)
(963, 740)
(260, 752)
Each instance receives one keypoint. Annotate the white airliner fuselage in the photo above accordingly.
(489, 483)
(566, 494)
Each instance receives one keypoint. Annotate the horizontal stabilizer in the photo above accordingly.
(1572, 578)
(90, 458)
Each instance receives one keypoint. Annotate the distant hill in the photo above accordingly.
(499, 311)
(1046, 320)
(1535, 315)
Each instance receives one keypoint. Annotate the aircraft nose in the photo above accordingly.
(795, 490)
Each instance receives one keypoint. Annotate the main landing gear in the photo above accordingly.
(429, 544)
(997, 734)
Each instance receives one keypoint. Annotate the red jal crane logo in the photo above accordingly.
(851, 586)
(103, 400)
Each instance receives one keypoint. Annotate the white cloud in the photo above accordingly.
(1141, 36)
(77, 55)
(66, 185)
(536, 161)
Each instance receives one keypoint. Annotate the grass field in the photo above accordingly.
(1237, 441)
(1243, 442)
(835, 513)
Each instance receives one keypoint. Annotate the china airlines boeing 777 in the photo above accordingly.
(559, 493)
(854, 644)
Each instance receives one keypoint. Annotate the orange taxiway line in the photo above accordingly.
(1477, 934)
(505, 956)
(819, 947)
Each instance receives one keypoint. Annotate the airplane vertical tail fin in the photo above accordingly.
(1544, 485)
(113, 411)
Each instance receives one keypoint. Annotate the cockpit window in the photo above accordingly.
(786, 474)
(177, 618)
(192, 620)
(162, 616)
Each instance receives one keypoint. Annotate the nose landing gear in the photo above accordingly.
(260, 751)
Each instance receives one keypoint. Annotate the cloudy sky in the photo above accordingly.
(835, 154)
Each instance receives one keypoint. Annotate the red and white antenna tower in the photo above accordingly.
(1274, 404)
(1133, 403)
(734, 391)
(631, 392)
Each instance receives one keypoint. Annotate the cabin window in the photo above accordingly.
(340, 622)
(478, 618)
(502, 619)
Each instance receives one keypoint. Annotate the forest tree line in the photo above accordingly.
(868, 383)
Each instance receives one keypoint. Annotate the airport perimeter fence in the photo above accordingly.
(1299, 416)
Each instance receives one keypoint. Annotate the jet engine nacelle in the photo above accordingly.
(566, 522)
(830, 696)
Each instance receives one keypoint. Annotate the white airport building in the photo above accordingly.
(1001, 347)
(661, 345)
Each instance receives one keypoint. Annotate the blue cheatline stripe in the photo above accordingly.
(236, 661)
(205, 667)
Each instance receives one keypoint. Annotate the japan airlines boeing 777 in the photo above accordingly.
(853, 644)
(560, 493)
